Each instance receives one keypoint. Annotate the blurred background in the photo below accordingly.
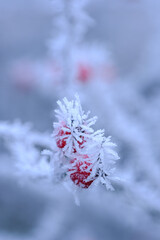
(116, 73)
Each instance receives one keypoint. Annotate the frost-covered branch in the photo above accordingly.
(77, 154)
(71, 24)
(81, 154)
(25, 146)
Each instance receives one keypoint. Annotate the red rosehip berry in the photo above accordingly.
(81, 172)
(80, 144)
(62, 136)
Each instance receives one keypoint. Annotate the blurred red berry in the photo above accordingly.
(84, 73)
(23, 75)
(81, 172)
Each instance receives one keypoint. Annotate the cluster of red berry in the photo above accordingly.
(81, 166)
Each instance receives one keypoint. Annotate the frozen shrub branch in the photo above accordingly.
(25, 146)
(71, 24)
(81, 154)
(76, 154)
